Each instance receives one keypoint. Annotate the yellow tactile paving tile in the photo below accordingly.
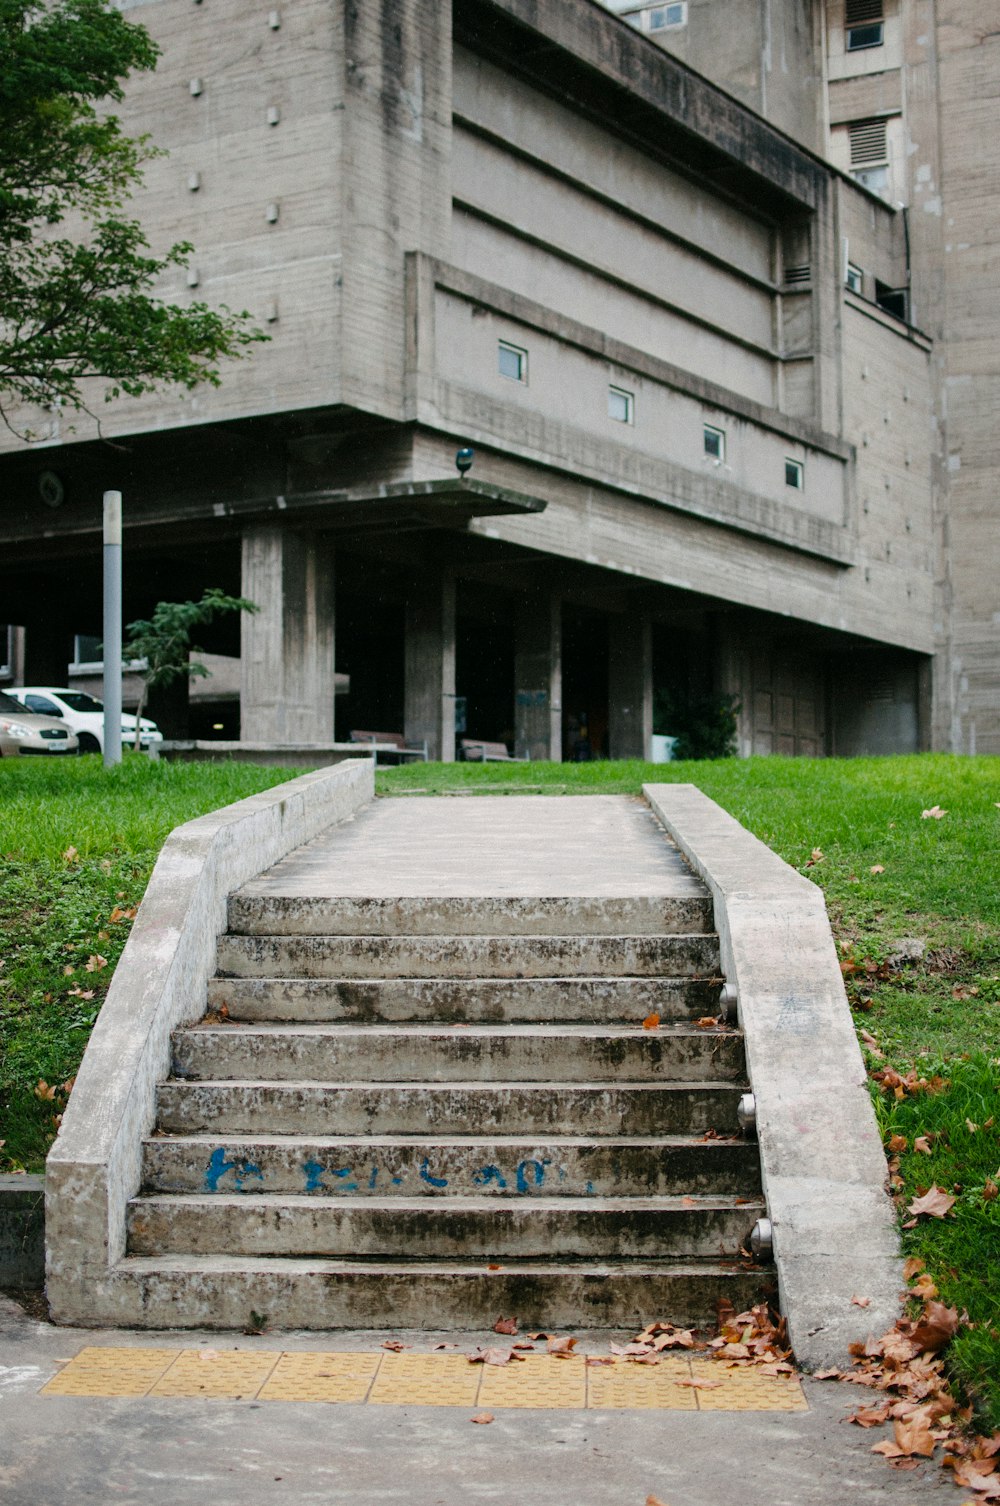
(110, 1372)
(333, 1377)
(234, 1374)
(539, 1380)
(629, 1387)
(744, 1389)
(426, 1380)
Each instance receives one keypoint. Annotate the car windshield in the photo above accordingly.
(8, 703)
(79, 700)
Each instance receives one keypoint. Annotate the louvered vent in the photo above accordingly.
(798, 274)
(867, 142)
(857, 12)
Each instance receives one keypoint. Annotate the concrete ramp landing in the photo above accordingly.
(456, 1064)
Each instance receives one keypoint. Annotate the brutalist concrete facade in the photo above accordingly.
(700, 458)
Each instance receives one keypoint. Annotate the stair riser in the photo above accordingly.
(316, 1109)
(365, 1057)
(436, 1231)
(489, 1168)
(406, 915)
(485, 1001)
(440, 1300)
(466, 956)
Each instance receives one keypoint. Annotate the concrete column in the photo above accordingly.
(538, 678)
(429, 666)
(287, 666)
(630, 687)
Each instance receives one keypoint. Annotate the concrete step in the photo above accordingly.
(433, 1168)
(473, 1228)
(390, 1053)
(414, 1108)
(599, 1000)
(221, 1291)
(467, 956)
(472, 915)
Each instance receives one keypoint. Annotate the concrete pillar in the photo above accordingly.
(429, 666)
(538, 678)
(630, 687)
(287, 665)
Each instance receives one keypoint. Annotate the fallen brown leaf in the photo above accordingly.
(911, 1266)
(922, 1145)
(700, 1385)
(394, 1344)
(861, 1301)
(561, 1346)
(877, 868)
(493, 1357)
(651, 1022)
(870, 1417)
(935, 1203)
(707, 1022)
(482, 1417)
(601, 1359)
(937, 1327)
(505, 1325)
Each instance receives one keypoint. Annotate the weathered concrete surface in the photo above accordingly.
(611, 1000)
(414, 1108)
(464, 1228)
(522, 848)
(822, 1162)
(83, 1451)
(95, 1165)
(466, 956)
(22, 1231)
(570, 1166)
(386, 1053)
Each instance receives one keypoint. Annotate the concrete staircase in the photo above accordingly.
(424, 1112)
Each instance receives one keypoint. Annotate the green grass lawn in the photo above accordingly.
(855, 827)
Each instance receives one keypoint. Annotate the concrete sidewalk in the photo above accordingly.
(76, 1450)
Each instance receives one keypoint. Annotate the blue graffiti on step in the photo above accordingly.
(345, 1171)
(537, 1168)
(373, 1179)
(425, 1174)
(314, 1176)
(487, 1174)
(218, 1166)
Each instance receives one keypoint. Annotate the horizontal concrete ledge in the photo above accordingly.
(161, 982)
(822, 1163)
(22, 1232)
(274, 755)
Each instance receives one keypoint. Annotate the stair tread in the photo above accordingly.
(449, 1206)
(539, 1085)
(429, 1029)
(649, 1142)
(328, 1265)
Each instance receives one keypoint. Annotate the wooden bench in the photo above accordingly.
(392, 743)
(475, 750)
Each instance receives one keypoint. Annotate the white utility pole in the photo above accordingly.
(112, 628)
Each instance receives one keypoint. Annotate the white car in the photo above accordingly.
(83, 715)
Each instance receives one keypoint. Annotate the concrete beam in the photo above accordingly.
(161, 981)
(538, 678)
(287, 669)
(630, 687)
(429, 666)
(822, 1162)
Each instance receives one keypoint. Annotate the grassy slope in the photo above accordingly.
(937, 885)
(58, 942)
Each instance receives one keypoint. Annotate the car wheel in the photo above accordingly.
(88, 743)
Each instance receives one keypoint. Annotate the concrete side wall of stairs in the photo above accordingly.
(94, 1168)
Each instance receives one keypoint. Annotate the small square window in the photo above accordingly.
(860, 37)
(794, 475)
(666, 17)
(854, 278)
(621, 405)
(512, 362)
(715, 442)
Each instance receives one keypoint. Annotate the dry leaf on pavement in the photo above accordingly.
(505, 1325)
(482, 1417)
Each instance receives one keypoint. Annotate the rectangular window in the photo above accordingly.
(863, 22)
(667, 17)
(893, 300)
(854, 278)
(860, 37)
(715, 442)
(621, 405)
(512, 362)
(794, 474)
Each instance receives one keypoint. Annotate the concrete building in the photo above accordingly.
(692, 350)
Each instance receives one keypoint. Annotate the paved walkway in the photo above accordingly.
(603, 847)
(73, 1450)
